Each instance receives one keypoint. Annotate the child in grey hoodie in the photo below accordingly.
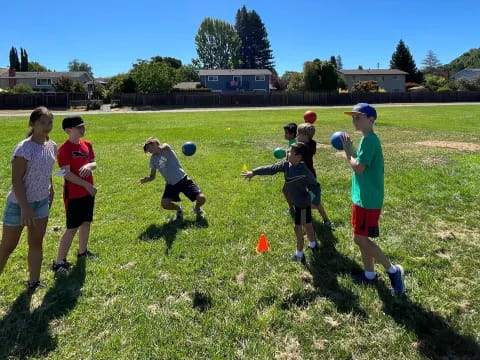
(302, 186)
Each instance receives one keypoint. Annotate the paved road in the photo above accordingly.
(23, 113)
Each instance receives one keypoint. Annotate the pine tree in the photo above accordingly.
(333, 61)
(339, 62)
(14, 62)
(402, 60)
(23, 60)
(255, 52)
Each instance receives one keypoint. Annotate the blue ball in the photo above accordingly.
(189, 148)
(336, 140)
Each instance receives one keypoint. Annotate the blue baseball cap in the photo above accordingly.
(363, 108)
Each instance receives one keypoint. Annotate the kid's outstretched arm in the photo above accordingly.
(148, 178)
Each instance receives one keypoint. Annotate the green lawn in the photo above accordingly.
(198, 290)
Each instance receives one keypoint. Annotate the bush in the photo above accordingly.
(21, 89)
(468, 85)
(94, 105)
(444, 89)
(365, 86)
(196, 90)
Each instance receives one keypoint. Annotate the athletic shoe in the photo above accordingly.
(87, 254)
(199, 212)
(397, 280)
(314, 249)
(328, 224)
(295, 258)
(363, 280)
(60, 267)
(179, 216)
(35, 285)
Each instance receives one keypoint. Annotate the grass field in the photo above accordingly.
(198, 290)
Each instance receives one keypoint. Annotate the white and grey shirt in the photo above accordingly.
(168, 165)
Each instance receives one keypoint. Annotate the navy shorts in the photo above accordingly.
(186, 186)
(80, 210)
(303, 215)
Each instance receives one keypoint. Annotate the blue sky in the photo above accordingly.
(112, 35)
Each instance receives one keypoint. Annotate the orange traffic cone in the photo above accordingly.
(262, 244)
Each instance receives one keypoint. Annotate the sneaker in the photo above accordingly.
(363, 280)
(328, 224)
(314, 249)
(87, 254)
(179, 216)
(295, 258)
(60, 267)
(199, 212)
(397, 280)
(35, 285)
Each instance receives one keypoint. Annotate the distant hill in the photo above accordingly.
(470, 59)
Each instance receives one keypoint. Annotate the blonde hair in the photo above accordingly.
(306, 129)
(150, 140)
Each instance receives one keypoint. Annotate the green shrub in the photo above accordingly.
(197, 90)
(21, 89)
(94, 105)
(444, 89)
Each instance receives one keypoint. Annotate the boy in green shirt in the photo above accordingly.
(367, 196)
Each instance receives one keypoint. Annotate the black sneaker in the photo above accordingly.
(87, 254)
(179, 216)
(32, 286)
(328, 224)
(397, 280)
(60, 267)
(363, 280)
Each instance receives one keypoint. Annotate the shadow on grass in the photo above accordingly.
(436, 338)
(169, 230)
(325, 267)
(23, 333)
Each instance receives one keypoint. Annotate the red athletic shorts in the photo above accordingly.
(365, 221)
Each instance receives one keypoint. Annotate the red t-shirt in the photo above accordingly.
(75, 155)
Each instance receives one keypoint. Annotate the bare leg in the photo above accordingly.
(322, 212)
(83, 234)
(310, 233)
(65, 244)
(168, 204)
(299, 234)
(35, 248)
(370, 252)
(200, 200)
(10, 238)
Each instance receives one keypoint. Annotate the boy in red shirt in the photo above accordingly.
(77, 160)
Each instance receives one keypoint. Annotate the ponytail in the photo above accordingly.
(36, 114)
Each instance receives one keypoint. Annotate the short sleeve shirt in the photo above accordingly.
(76, 156)
(368, 187)
(40, 159)
(168, 165)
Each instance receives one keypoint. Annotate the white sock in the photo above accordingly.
(299, 254)
(312, 244)
(392, 269)
(370, 275)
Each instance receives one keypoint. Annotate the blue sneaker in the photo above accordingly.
(397, 280)
(363, 280)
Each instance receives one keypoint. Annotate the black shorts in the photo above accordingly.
(186, 186)
(79, 210)
(303, 215)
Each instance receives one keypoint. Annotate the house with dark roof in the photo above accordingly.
(392, 80)
(468, 74)
(40, 81)
(225, 80)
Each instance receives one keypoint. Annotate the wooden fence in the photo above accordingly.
(182, 100)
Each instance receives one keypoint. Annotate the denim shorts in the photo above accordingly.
(12, 213)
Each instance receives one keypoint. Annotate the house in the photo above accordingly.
(40, 81)
(392, 80)
(468, 74)
(224, 80)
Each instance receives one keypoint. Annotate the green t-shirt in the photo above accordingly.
(367, 188)
(290, 142)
